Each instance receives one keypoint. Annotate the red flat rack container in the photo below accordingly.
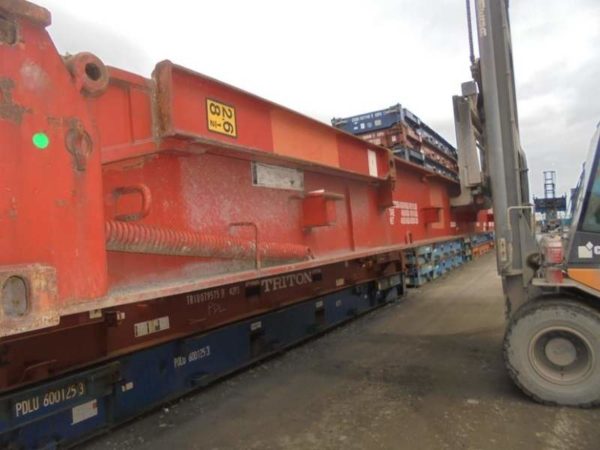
(127, 200)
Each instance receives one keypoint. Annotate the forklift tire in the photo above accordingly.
(552, 352)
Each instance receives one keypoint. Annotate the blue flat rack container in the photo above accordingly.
(119, 390)
(412, 118)
(435, 139)
(373, 121)
(386, 118)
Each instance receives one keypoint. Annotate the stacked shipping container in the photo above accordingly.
(406, 135)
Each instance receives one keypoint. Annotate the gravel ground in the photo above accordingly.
(424, 373)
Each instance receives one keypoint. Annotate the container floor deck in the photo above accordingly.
(424, 373)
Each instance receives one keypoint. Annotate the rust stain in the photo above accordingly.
(9, 110)
(135, 238)
(8, 31)
(79, 143)
(27, 10)
(54, 122)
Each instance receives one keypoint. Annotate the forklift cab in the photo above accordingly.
(583, 246)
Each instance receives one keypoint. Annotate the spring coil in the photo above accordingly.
(136, 238)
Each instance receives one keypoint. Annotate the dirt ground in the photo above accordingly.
(423, 373)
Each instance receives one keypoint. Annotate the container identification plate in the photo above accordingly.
(221, 118)
(48, 399)
(277, 177)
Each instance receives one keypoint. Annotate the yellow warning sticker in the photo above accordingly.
(221, 118)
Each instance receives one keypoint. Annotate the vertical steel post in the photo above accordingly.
(507, 163)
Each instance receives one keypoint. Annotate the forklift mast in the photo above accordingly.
(493, 165)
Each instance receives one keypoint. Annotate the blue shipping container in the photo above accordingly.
(373, 121)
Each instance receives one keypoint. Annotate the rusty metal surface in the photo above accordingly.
(36, 305)
(8, 31)
(134, 238)
(135, 198)
(50, 209)
(90, 73)
(27, 10)
(9, 110)
(79, 144)
(158, 289)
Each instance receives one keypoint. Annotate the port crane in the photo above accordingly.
(551, 284)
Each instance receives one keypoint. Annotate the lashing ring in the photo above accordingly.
(89, 72)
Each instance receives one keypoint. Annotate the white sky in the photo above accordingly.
(343, 57)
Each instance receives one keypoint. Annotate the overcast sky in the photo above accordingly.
(343, 57)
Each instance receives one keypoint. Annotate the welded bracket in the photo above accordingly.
(318, 208)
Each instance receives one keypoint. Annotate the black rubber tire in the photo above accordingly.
(536, 318)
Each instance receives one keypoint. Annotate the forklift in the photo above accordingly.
(551, 281)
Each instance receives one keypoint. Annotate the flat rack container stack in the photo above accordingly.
(406, 135)
(427, 262)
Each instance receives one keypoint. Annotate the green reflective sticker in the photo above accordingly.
(40, 140)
